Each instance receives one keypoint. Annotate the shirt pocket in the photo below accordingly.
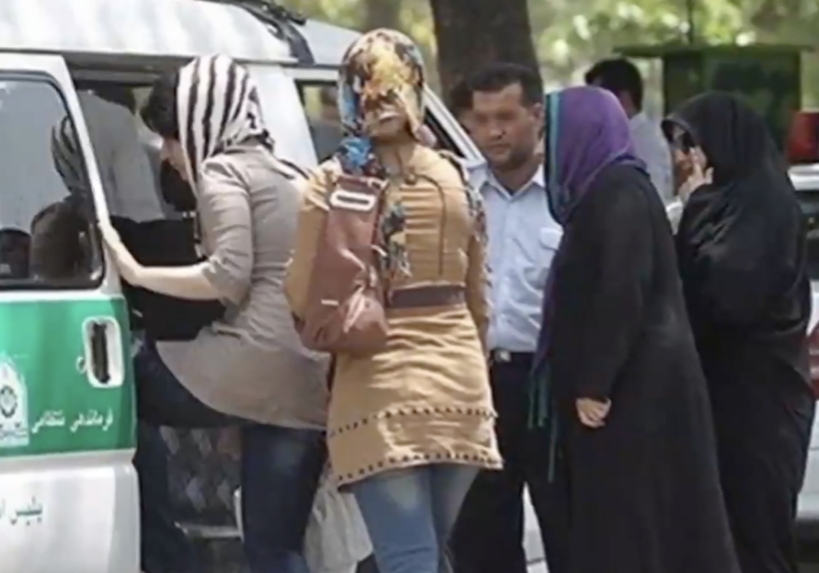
(540, 256)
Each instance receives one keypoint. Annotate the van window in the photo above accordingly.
(319, 99)
(46, 208)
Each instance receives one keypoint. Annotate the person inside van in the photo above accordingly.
(326, 129)
(57, 250)
(412, 423)
(14, 253)
(127, 178)
(248, 367)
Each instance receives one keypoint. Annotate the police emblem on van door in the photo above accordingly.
(14, 432)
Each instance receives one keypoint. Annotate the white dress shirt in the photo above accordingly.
(674, 210)
(652, 147)
(523, 239)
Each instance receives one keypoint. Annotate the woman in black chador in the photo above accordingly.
(617, 380)
(741, 250)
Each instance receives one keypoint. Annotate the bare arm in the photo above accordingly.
(224, 209)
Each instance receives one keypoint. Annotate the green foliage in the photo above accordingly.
(572, 34)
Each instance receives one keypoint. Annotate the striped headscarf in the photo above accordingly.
(68, 158)
(218, 107)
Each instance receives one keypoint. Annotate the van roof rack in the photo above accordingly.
(282, 21)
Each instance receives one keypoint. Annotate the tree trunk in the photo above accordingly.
(473, 33)
(382, 14)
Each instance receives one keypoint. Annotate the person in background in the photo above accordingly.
(128, 179)
(248, 368)
(616, 374)
(742, 255)
(623, 79)
(326, 129)
(14, 253)
(56, 246)
(460, 104)
(410, 425)
(505, 106)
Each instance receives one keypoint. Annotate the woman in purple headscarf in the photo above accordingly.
(617, 378)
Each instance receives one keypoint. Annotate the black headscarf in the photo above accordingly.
(741, 240)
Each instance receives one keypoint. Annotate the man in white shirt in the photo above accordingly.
(128, 180)
(501, 104)
(622, 78)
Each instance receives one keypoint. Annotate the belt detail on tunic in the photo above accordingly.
(426, 296)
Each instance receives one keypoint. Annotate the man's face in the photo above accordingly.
(505, 128)
(172, 153)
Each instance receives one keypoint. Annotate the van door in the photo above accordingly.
(68, 491)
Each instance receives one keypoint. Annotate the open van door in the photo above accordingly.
(68, 491)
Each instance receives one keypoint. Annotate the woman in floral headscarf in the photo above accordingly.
(411, 425)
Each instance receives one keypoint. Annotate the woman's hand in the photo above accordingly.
(698, 174)
(593, 413)
(128, 267)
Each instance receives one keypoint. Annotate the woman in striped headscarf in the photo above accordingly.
(248, 367)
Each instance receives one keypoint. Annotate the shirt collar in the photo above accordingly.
(481, 175)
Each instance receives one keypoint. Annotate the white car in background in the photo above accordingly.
(806, 180)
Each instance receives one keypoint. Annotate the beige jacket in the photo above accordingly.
(251, 364)
(426, 398)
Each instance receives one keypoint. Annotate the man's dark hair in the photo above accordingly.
(498, 76)
(618, 75)
(159, 112)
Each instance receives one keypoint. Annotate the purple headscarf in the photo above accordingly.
(586, 131)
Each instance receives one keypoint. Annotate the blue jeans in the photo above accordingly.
(280, 473)
(410, 513)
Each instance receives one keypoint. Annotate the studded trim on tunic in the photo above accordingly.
(390, 440)
(483, 413)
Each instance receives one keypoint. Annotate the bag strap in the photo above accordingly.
(354, 205)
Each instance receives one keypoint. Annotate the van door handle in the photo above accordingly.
(100, 364)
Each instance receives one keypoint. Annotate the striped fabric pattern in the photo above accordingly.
(218, 108)
(68, 157)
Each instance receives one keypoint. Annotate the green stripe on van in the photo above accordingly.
(48, 403)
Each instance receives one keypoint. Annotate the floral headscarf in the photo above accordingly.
(381, 77)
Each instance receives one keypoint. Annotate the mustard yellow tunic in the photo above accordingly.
(426, 398)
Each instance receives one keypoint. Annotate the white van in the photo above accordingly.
(68, 491)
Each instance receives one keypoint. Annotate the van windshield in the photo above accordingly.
(45, 203)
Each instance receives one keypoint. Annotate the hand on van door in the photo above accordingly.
(128, 267)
